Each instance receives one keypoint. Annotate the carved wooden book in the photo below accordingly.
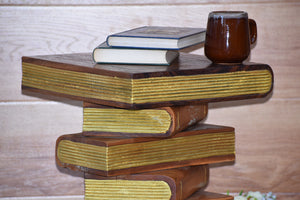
(101, 120)
(201, 144)
(203, 195)
(190, 79)
(172, 184)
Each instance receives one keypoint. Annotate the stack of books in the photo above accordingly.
(142, 134)
(152, 45)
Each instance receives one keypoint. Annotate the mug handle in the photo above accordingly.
(253, 31)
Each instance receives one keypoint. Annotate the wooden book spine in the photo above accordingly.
(176, 119)
(179, 183)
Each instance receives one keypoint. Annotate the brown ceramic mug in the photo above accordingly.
(228, 36)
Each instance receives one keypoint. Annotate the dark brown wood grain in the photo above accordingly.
(182, 181)
(225, 160)
(181, 117)
(204, 195)
(185, 65)
(108, 141)
(112, 141)
(27, 167)
(30, 90)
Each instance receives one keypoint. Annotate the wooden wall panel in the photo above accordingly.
(266, 129)
(127, 2)
(267, 150)
(267, 156)
(27, 145)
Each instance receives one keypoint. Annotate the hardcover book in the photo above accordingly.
(115, 55)
(172, 184)
(101, 120)
(201, 144)
(157, 37)
(190, 79)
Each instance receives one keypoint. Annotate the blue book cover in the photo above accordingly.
(158, 37)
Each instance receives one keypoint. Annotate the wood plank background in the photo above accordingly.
(267, 130)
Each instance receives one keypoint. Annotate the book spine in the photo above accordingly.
(186, 116)
(181, 117)
(178, 183)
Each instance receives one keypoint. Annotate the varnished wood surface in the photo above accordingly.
(204, 195)
(198, 129)
(245, 173)
(186, 64)
(218, 153)
(261, 126)
(28, 40)
(81, 197)
(182, 181)
(224, 159)
(259, 80)
(181, 117)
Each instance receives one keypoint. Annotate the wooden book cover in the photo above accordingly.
(101, 120)
(157, 37)
(204, 195)
(190, 79)
(111, 156)
(172, 184)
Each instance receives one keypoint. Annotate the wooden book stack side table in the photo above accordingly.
(143, 135)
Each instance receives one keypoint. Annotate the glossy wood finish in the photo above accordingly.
(204, 195)
(101, 120)
(30, 125)
(190, 79)
(29, 38)
(229, 36)
(182, 181)
(187, 64)
(200, 144)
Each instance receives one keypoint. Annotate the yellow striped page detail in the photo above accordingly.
(146, 153)
(126, 121)
(201, 86)
(81, 154)
(170, 150)
(76, 83)
(147, 90)
(126, 189)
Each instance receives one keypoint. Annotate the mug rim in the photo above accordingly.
(228, 14)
